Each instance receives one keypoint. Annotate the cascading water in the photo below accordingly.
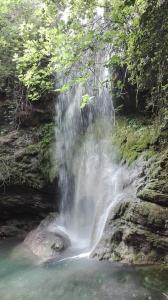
(89, 177)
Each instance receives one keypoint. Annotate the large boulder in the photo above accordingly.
(47, 243)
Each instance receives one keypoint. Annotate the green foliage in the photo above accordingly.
(12, 14)
(147, 52)
(114, 60)
(85, 101)
(43, 150)
(47, 134)
(42, 39)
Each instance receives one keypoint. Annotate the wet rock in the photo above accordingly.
(153, 196)
(139, 235)
(46, 243)
(137, 229)
(155, 188)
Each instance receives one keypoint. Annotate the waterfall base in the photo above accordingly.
(45, 243)
(83, 279)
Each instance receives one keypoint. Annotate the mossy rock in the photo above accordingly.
(133, 139)
(135, 232)
(28, 162)
(153, 196)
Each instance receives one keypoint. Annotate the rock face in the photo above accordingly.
(28, 182)
(45, 243)
(137, 229)
(136, 232)
(25, 152)
(22, 210)
(155, 189)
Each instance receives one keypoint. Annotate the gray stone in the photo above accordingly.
(45, 243)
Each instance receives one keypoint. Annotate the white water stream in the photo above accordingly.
(90, 179)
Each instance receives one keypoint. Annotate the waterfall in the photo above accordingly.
(90, 179)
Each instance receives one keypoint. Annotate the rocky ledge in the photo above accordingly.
(22, 210)
(136, 232)
(137, 229)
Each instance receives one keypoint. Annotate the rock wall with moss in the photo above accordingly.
(28, 169)
(137, 229)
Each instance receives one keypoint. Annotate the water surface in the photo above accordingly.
(22, 278)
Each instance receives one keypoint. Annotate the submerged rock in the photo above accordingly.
(47, 243)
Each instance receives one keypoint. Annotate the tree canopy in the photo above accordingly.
(41, 39)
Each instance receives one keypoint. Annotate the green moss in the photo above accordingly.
(133, 138)
(48, 161)
(47, 133)
(32, 150)
(33, 165)
(148, 153)
(47, 165)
